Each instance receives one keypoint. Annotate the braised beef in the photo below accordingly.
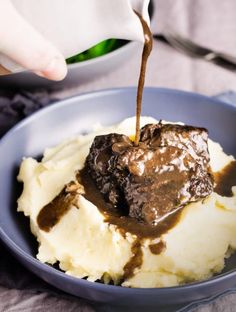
(168, 169)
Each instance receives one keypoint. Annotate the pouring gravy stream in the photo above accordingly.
(148, 43)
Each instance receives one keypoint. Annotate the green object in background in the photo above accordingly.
(100, 49)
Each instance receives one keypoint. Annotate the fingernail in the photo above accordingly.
(56, 69)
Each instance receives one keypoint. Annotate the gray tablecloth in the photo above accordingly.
(206, 21)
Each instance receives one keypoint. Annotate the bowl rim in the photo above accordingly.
(22, 255)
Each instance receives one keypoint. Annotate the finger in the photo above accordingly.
(23, 44)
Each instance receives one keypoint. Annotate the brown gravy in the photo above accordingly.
(146, 52)
(124, 223)
(157, 248)
(225, 179)
(135, 261)
(52, 213)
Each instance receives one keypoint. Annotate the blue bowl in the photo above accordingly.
(77, 115)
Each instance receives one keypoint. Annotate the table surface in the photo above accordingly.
(207, 22)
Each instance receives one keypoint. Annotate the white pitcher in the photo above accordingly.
(73, 26)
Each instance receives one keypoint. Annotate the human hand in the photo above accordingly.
(23, 44)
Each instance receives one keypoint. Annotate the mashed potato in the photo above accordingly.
(87, 246)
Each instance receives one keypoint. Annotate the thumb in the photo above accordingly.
(23, 44)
